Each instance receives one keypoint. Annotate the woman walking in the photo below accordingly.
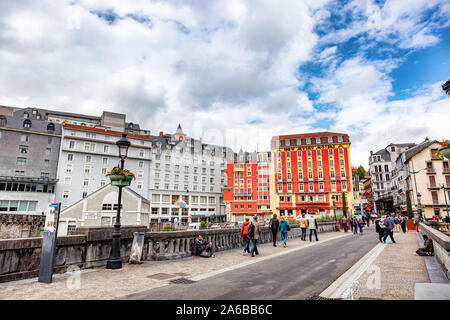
(379, 229)
(397, 224)
(355, 225)
(284, 228)
(403, 224)
(244, 235)
(303, 225)
(254, 235)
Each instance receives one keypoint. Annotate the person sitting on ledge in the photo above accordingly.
(202, 249)
(428, 249)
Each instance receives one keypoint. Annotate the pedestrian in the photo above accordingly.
(379, 229)
(273, 226)
(244, 235)
(361, 224)
(344, 223)
(312, 225)
(284, 228)
(397, 224)
(253, 234)
(303, 224)
(416, 224)
(428, 247)
(403, 223)
(368, 219)
(388, 229)
(202, 249)
(355, 225)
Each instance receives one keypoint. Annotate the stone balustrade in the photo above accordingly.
(441, 246)
(86, 247)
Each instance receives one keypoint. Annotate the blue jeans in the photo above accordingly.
(390, 234)
(247, 243)
(285, 235)
(254, 248)
(355, 229)
(310, 234)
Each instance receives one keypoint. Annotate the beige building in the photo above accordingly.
(433, 184)
(100, 209)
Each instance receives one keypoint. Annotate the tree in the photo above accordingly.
(344, 205)
(409, 205)
(361, 172)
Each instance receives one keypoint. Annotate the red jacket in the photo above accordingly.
(244, 229)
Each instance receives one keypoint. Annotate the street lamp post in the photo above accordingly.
(418, 195)
(419, 207)
(115, 260)
(445, 197)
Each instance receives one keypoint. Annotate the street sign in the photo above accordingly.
(49, 243)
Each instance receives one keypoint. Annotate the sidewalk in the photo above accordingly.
(101, 283)
(393, 273)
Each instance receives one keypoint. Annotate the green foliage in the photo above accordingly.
(169, 228)
(38, 234)
(291, 221)
(203, 225)
(361, 172)
(344, 204)
(409, 209)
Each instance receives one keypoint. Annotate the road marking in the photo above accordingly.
(342, 287)
(244, 264)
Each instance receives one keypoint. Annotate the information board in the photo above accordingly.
(49, 243)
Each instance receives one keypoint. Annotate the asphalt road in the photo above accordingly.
(297, 275)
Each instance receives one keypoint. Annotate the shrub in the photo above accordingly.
(203, 225)
(169, 228)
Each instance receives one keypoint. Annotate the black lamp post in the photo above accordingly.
(115, 260)
(419, 207)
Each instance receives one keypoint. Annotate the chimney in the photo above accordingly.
(371, 152)
(161, 134)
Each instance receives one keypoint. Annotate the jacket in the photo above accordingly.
(378, 227)
(429, 246)
(274, 224)
(303, 223)
(199, 247)
(244, 228)
(312, 224)
(388, 224)
(283, 226)
(257, 231)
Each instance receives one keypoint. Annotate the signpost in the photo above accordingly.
(49, 243)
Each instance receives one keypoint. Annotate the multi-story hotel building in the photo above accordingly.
(309, 173)
(247, 192)
(29, 150)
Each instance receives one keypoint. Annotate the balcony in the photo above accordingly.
(432, 186)
(446, 171)
(431, 171)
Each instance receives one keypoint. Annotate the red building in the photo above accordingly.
(248, 192)
(310, 173)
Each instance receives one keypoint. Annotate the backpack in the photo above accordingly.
(288, 228)
(251, 230)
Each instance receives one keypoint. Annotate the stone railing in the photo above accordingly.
(441, 246)
(20, 225)
(86, 247)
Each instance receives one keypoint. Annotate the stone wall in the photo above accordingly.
(85, 247)
(20, 225)
(441, 245)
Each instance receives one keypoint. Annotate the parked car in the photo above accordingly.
(215, 226)
(194, 226)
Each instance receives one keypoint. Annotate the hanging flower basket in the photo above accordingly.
(120, 177)
(444, 151)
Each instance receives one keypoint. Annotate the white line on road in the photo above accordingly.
(341, 288)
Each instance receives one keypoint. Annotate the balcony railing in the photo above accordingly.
(432, 186)
(431, 171)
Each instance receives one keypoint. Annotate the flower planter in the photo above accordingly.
(410, 224)
(120, 180)
(446, 152)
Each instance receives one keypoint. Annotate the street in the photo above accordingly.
(297, 275)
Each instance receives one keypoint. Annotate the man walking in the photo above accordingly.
(312, 225)
(388, 229)
(244, 235)
(303, 224)
(344, 223)
(273, 225)
(284, 228)
(254, 235)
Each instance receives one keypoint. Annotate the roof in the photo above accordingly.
(418, 148)
(104, 130)
(77, 115)
(308, 135)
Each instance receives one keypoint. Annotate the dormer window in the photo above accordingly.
(38, 116)
(330, 139)
(2, 121)
(51, 127)
(26, 115)
(340, 139)
(27, 123)
(308, 140)
(34, 111)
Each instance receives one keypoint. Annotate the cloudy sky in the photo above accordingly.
(237, 72)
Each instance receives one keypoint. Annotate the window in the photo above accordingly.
(309, 164)
(46, 163)
(332, 174)
(105, 148)
(105, 160)
(300, 176)
(67, 180)
(309, 153)
(300, 186)
(321, 186)
(86, 182)
(341, 150)
(84, 194)
(51, 127)
(320, 175)
(155, 211)
(102, 183)
(21, 161)
(71, 144)
(65, 194)
(141, 153)
(70, 157)
(24, 138)
(45, 175)
(311, 187)
(344, 185)
(331, 163)
(141, 164)
(333, 186)
(88, 159)
(48, 151)
(27, 123)
(19, 173)
(319, 152)
(310, 175)
(341, 162)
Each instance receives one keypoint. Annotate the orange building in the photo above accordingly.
(248, 192)
(309, 173)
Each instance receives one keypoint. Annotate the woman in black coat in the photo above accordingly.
(379, 229)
